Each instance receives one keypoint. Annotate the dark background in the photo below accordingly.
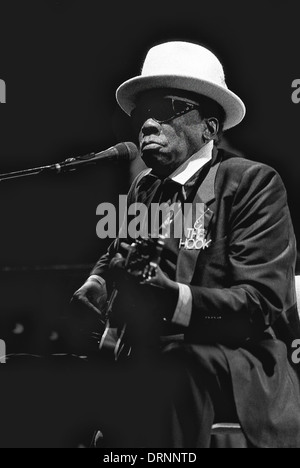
(62, 62)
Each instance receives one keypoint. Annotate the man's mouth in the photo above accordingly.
(150, 145)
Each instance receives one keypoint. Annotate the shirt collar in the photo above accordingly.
(190, 167)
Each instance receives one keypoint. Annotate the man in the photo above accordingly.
(224, 294)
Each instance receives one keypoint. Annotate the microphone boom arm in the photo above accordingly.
(122, 151)
(57, 168)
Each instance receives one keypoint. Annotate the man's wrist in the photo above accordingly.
(172, 286)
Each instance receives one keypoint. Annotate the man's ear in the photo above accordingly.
(211, 128)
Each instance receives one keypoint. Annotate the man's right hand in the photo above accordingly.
(91, 296)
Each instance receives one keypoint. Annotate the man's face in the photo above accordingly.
(167, 140)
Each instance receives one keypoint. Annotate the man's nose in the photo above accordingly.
(150, 127)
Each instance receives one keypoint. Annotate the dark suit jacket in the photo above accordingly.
(243, 289)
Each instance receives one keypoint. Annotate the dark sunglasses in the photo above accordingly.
(162, 111)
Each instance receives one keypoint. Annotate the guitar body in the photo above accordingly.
(142, 261)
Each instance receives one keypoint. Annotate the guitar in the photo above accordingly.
(142, 261)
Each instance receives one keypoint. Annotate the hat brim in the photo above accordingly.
(128, 93)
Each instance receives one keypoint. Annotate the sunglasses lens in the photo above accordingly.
(180, 107)
(161, 110)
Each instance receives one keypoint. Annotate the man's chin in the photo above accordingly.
(154, 159)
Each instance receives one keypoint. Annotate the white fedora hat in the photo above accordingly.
(185, 66)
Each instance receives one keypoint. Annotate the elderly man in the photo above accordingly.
(225, 303)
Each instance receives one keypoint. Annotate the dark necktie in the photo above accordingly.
(171, 192)
(167, 194)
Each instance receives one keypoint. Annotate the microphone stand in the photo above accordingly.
(64, 166)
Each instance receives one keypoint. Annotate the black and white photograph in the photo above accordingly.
(149, 259)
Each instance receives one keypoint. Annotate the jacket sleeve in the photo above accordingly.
(261, 256)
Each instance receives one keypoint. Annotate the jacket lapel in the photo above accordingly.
(202, 202)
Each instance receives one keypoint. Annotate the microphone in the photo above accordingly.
(126, 151)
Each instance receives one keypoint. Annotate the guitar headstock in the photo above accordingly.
(144, 257)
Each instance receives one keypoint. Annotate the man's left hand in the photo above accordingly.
(160, 280)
